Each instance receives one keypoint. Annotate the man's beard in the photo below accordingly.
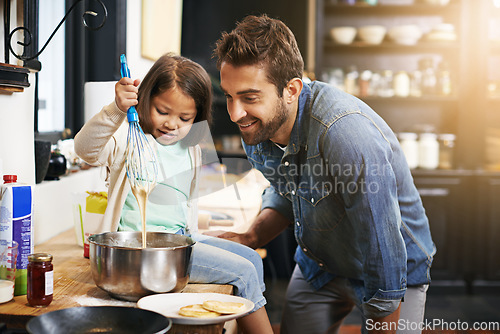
(268, 130)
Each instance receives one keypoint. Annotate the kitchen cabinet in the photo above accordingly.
(485, 228)
(449, 214)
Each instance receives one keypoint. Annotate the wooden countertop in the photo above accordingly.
(74, 286)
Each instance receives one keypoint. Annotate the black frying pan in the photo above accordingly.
(99, 319)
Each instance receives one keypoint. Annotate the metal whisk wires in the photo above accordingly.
(141, 161)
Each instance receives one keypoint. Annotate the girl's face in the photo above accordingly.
(172, 114)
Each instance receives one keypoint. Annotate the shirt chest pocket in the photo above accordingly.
(313, 194)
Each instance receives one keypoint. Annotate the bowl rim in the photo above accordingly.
(94, 242)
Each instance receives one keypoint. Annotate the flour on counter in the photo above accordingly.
(92, 301)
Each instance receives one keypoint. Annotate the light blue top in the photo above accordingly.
(174, 182)
(344, 183)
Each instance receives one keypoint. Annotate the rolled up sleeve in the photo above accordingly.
(382, 303)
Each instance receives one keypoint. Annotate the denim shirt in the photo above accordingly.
(344, 182)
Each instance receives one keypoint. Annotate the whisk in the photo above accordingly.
(141, 162)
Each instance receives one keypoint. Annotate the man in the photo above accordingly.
(337, 174)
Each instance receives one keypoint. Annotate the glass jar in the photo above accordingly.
(428, 151)
(385, 88)
(402, 84)
(336, 78)
(409, 144)
(429, 80)
(446, 148)
(364, 83)
(351, 80)
(444, 79)
(416, 83)
(40, 279)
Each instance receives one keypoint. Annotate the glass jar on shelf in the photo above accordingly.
(364, 83)
(416, 83)
(351, 80)
(385, 87)
(444, 79)
(335, 77)
(446, 150)
(409, 144)
(401, 84)
(428, 151)
(429, 80)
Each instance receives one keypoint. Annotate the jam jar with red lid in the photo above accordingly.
(40, 279)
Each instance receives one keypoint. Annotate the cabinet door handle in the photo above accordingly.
(434, 192)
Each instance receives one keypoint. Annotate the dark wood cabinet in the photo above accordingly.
(463, 208)
(449, 215)
(485, 229)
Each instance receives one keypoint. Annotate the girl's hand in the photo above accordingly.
(126, 93)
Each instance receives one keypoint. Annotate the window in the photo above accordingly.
(51, 84)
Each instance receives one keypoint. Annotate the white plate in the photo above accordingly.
(169, 304)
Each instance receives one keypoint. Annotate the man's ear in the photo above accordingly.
(292, 90)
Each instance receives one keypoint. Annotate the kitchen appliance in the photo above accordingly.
(42, 158)
(57, 166)
(125, 270)
(99, 319)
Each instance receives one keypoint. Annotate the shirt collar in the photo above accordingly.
(298, 136)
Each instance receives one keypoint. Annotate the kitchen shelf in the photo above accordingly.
(389, 10)
(422, 99)
(425, 46)
(13, 78)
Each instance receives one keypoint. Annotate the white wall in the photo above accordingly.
(17, 121)
(139, 66)
(17, 135)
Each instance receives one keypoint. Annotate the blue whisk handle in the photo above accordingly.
(124, 71)
(132, 115)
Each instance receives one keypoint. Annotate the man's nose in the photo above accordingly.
(236, 111)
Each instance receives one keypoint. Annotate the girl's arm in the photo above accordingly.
(93, 142)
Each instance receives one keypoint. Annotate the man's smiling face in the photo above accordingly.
(253, 102)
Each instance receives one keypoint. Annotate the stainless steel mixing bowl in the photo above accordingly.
(122, 268)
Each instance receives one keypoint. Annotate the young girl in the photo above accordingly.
(174, 95)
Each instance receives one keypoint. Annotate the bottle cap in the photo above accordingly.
(40, 257)
(407, 136)
(447, 136)
(9, 178)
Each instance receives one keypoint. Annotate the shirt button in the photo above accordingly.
(293, 192)
(298, 223)
(304, 250)
(312, 200)
(287, 163)
(321, 264)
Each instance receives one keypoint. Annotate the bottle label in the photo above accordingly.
(49, 282)
(16, 225)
